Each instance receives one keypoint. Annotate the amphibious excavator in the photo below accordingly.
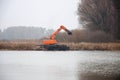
(52, 44)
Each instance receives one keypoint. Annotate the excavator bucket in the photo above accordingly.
(69, 32)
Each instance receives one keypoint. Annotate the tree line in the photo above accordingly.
(99, 15)
(23, 33)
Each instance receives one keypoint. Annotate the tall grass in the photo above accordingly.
(33, 45)
(18, 45)
(94, 46)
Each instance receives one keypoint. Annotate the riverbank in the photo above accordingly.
(34, 45)
(95, 46)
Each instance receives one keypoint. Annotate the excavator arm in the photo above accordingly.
(58, 30)
(53, 36)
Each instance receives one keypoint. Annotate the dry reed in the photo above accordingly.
(33, 45)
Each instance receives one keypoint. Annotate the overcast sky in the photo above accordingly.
(42, 13)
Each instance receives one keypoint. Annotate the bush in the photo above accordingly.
(85, 36)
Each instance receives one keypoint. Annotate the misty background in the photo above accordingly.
(48, 14)
(24, 33)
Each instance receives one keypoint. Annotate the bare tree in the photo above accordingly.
(117, 6)
(98, 15)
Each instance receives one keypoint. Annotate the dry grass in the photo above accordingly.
(32, 45)
(19, 45)
(94, 46)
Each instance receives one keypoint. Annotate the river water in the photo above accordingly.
(59, 65)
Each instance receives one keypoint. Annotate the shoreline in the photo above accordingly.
(33, 45)
(95, 46)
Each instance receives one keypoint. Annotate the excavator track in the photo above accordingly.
(55, 47)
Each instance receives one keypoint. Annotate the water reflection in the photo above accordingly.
(68, 65)
(99, 68)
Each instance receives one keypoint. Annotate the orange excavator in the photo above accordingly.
(51, 43)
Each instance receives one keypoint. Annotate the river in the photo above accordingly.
(59, 65)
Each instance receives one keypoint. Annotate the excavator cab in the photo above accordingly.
(49, 42)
